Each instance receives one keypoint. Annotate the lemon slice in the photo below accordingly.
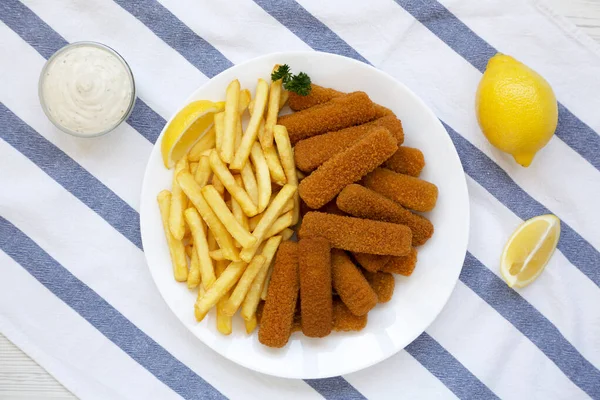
(189, 125)
(528, 250)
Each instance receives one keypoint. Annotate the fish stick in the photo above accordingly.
(351, 285)
(347, 167)
(339, 113)
(358, 235)
(312, 152)
(383, 283)
(402, 265)
(277, 316)
(407, 161)
(320, 95)
(371, 262)
(344, 320)
(315, 286)
(413, 193)
(361, 202)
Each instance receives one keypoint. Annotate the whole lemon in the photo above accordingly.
(516, 108)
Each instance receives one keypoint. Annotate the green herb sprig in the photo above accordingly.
(299, 84)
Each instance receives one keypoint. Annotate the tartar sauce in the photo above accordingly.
(87, 89)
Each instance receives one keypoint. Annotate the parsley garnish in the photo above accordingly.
(299, 84)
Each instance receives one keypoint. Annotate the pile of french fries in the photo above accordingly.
(233, 200)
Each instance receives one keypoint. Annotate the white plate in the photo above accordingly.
(417, 300)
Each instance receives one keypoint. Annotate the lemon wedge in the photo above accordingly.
(529, 249)
(189, 125)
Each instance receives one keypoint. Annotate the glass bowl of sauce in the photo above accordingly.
(86, 89)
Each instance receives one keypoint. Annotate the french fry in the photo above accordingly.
(194, 277)
(287, 233)
(220, 170)
(206, 269)
(219, 129)
(251, 324)
(176, 248)
(253, 222)
(300, 175)
(217, 255)
(250, 184)
(273, 162)
(260, 101)
(194, 193)
(215, 201)
(272, 113)
(236, 209)
(212, 242)
(253, 297)
(178, 203)
(216, 182)
(222, 285)
(263, 177)
(284, 146)
(232, 99)
(241, 289)
(188, 250)
(270, 215)
(201, 293)
(193, 167)
(206, 142)
(223, 320)
(245, 98)
(203, 171)
(280, 224)
(285, 95)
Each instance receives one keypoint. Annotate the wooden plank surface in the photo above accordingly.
(22, 378)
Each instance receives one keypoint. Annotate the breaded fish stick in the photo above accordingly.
(361, 202)
(278, 312)
(320, 95)
(347, 167)
(351, 285)
(344, 111)
(344, 320)
(371, 262)
(358, 235)
(407, 160)
(312, 152)
(383, 284)
(410, 192)
(402, 265)
(315, 286)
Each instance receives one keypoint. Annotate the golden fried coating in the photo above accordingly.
(402, 265)
(413, 193)
(318, 95)
(358, 235)
(383, 283)
(351, 285)
(344, 320)
(312, 152)
(361, 202)
(407, 160)
(278, 312)
(315, 286)
(347, 167)
(341, 112)
(371, 262)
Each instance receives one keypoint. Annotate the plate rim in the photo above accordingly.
(464, 240)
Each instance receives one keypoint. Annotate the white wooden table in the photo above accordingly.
(22, 378)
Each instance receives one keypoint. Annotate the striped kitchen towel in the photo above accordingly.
(75, 292)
